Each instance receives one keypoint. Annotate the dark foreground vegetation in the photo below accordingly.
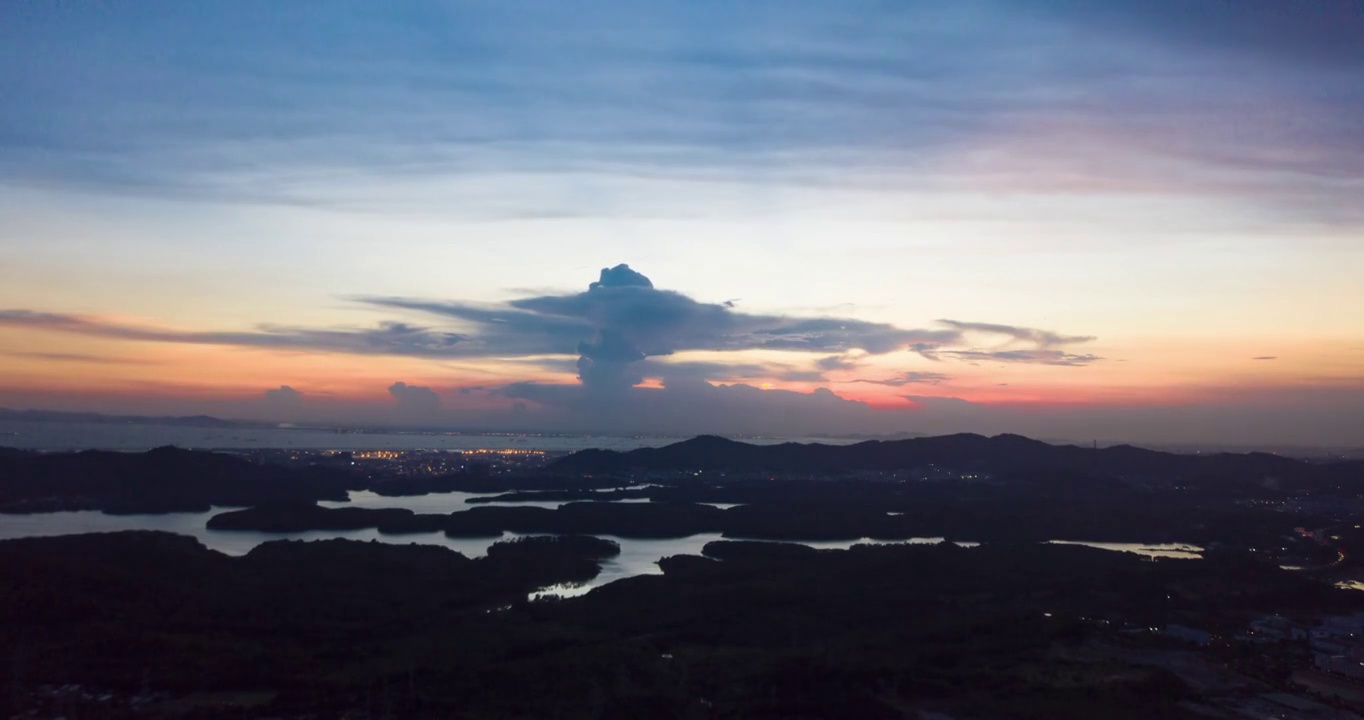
(148, 624)
(145, 624)
(162, 480)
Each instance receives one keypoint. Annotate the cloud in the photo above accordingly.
(622, 276)
(934, 402)
(416, 399)
(389, 338)
(1266, 357)
(1035, 357)
(671, 372)
(613, 327)
(1312, 33)
(803, 376)
(283, 396)
(910, 378)
(688, 407)
(907, 93)
(1041, 338)
(627, 320)
(836, 362)
(80, 358)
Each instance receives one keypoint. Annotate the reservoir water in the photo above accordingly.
(1182, 551)
(637, 556)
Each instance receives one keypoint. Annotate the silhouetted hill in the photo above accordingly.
(87, 417)
(161, 480)
(966, 452)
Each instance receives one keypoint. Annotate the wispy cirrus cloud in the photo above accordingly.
(1040, 338)
(1036, 357)
(80, 358)
(851, 95)
(908, 378)
(389, 338)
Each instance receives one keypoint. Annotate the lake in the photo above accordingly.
(637, 556)
(448, 502)
(1182, 551)
(229, 542)
(640, 557)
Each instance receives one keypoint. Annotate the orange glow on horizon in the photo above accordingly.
(1173, 371)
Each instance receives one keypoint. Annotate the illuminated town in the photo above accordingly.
(415, 463)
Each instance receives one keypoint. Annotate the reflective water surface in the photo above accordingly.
(228, 542)
(448, 502)
(637, 556)
(1152, 550)
(640, 557)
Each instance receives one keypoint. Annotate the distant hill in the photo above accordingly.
(85, 417)
(166, 479)
(1005, 454)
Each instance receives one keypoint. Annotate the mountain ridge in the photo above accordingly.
(1005, 453)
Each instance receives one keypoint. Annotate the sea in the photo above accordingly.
(57, 436)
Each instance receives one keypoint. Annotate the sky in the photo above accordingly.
(1075, 219)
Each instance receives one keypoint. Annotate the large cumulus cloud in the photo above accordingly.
(612, 327)
(626, 319)
(415, 399)
(283, 396)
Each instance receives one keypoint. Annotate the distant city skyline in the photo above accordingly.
(1124, 221)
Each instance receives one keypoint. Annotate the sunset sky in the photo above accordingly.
(1138, 221)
